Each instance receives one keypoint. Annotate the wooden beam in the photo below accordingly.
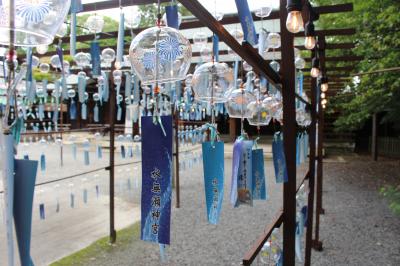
(192, 25)
(274, 14)
(333, 76)
(392, 69)
(245, 51)
(332, 69)
(345, 58)
(331, 32)
(115, 4)
(221, 52)
(255, 249)
(332, 46)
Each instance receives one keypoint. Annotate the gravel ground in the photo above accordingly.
(357, 229)
(193, 240)
(72, 229)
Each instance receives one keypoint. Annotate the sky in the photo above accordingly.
(225, 6)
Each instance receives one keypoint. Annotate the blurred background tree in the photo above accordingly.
(378, 42)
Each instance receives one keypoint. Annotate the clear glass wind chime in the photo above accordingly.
(160, 55)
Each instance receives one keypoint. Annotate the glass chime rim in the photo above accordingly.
(163, 31)
(220, 68)
(27, 34)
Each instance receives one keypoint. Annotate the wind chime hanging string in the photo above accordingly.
(242, 133)
(12, 80)
(156, 114)
(120, 43)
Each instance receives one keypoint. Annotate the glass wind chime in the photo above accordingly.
(26, 24)
(159, 56)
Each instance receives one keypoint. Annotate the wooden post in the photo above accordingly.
(374, 142)
(317, 244)
(289, 138)
(311, 177)
(112, 102)
(232, 129)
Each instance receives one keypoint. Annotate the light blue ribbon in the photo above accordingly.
(81, 88)
(84, 111)
(128, 85)
(72, 41)
(120, 43)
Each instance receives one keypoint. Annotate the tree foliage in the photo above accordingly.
(149, 13)
(378, 42)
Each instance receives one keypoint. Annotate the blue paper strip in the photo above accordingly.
(84, 111)
(99, 152)
(156, 180)
(42, 162)
(96, 117)
(216, 47)
(106, 87)
(258, 174)
(24, 186)
(72, 41)
(76, 6)
(128, 85)
(72, 110)
(298, 159)
(278, 154)
(29, 55)
(41, 211)
(72, 200)
(241, 186)
(172, 16)
(123, 154)
(95, 55)
(120, 42)
(81, 88)
(245, 175)
(213, 168)
(86, 157)
(246, 20)
(85, 196)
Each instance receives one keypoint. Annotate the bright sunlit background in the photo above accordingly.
(225, 6)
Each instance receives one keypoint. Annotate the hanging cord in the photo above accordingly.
(213, 76)
(214, 135)
(241, 111)
(212, 93)
(132, 33)
(95, 13)
(255, 143)
(11, 74)
(258, 113)
(156, 113)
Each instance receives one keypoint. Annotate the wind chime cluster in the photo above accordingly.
(150, 85)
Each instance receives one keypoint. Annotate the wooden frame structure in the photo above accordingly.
(285, 81)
